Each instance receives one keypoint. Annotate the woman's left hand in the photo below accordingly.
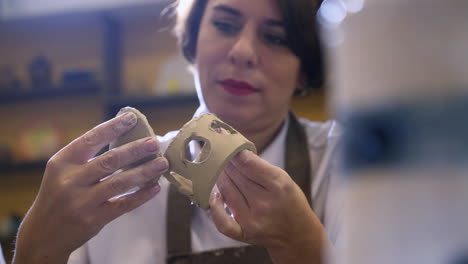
(268, 209)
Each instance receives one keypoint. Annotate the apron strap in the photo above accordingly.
(179, 210)
(178, 219)
(297, 158)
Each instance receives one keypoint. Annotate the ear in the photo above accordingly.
(302, 85)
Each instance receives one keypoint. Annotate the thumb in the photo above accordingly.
(224, 222)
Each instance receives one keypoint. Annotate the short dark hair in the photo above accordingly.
(299, 17)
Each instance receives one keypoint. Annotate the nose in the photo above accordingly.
(244, 51)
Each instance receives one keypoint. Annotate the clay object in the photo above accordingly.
(219, 143)
(142, 129)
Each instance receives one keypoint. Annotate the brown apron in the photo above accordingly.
(179, 211)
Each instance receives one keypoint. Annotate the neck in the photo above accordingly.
(262, 136)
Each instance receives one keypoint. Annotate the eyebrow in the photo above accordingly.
(228, 9)
(237, 13)
(275, 23)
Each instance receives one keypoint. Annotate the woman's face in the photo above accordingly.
(246, 71)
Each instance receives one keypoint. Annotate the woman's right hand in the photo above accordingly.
(74, 202)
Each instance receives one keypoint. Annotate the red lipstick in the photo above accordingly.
(239, 88)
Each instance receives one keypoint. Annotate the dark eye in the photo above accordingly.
(275, 39)
(224, 27)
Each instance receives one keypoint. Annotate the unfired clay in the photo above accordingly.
(193, 177)
(220, 142)
(142, 129)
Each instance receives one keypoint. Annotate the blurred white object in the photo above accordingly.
(397, 50)
(400, 85)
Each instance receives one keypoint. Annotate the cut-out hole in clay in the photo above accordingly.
(201, 151)
(222, 128)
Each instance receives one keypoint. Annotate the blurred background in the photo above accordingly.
(400, 92)
(66, 66)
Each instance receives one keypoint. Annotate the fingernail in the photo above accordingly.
(216, 196)
(161, 164)
(129, 119)
(151, 145)
(214, 192)
(244, 156)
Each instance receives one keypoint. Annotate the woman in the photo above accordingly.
(249, 58)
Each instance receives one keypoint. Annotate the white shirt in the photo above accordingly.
(140, 235)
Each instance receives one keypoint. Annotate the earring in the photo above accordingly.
(304, 92)
(301, 91)
(302, 88)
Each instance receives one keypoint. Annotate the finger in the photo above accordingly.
(112, 209)
(118, 158)
(250, 189)
(234, 198)
(256, 169)
(86, 146)
(223, 222)
(127, 180)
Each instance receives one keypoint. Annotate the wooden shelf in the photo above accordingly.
(114, 104)
(23, 166)
(48, 93)
(110, 20)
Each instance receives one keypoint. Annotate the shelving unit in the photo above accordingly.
(16, 16)
(49, 93)
(23, 166)
(114, 104)
(111, 15)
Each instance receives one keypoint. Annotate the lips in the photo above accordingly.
(239, 88)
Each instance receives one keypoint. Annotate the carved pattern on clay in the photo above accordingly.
(220, 143)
